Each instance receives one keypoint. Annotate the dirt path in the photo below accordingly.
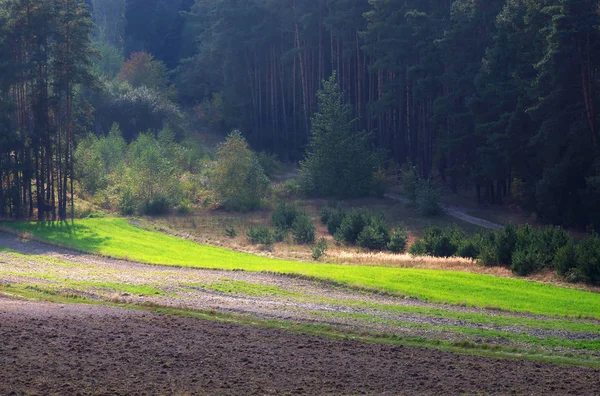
(57, 349)
(456, 212)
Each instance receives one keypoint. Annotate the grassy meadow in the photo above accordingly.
(118, 238)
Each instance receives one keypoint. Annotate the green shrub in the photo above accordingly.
(335, 217)
(410, 180)
(284, 215)
(230, 232)
(548, 242)
(576, 275)
(565, 259)
(526, 261)
(260, 234)
(157, 205)
(280, 235)
(185, 208)
(303, 229)
(352, 225)
(292, 187)
(588, 258)
(269, 163)
(470, 247)
(535, 250)
(126, 203)
(488, 252)
(238, 180)
(96, 215)
(373, 238)
(325, 214)
(398, 241)
(442, 242)
(376, 235)
(319, 249)
(418, 248)
(497, 248)
(428, 200)
(507, 241)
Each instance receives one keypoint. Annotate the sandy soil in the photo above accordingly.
(57, 349)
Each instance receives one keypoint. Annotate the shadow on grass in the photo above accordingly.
(61, 233)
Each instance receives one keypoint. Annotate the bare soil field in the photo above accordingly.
(76, 349)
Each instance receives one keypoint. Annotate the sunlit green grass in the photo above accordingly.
(117, 238)
(243, 288)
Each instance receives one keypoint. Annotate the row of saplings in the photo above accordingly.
(358, 227)
(524, 249)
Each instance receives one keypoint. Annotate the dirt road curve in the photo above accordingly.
(456, 212)
(57, 349)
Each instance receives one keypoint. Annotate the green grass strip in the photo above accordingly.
(532, 340)
(117, 238)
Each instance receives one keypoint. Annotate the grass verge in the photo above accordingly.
(118, 238)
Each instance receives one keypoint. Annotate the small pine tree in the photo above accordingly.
(340, 161)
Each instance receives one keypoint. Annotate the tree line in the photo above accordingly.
(44, 58)
(498, 97)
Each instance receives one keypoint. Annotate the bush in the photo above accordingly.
(535, 249)
(376, 234)
(548, 242)
(185, 207)
(333, 218)
(565, 259)
(284, 215)
(470, 248)
(126, 203)
(372, 238)
(418, 248)
(410, 180)
(325, 214)
(497, 248)
(260, 234)
(158, 205)
(269, 163)
(576, 275)
(292, 187)
(507, 240)
(238, 180)
(351, 226)
(398, 241)
(442, 242)
(319, 249)
(526, 261)
(428, 200)
(280, 235)
(230, 232)
(588, 258)
(303, 229)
